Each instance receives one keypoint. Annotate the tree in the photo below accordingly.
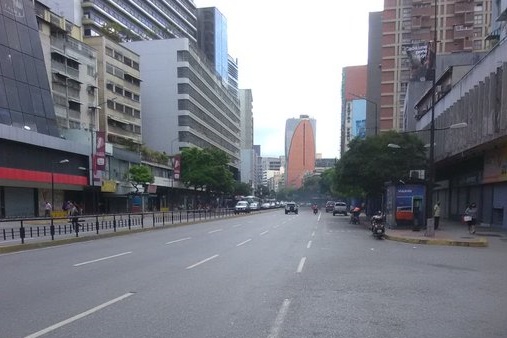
(140, 175)
(369, 163)
(287, 194)
(242, 189)
(206, 169)
(326, 182)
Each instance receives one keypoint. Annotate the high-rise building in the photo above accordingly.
(353, 115)
(179, 108)
(407, 32)
(72, 68)
(133, 20)
(247, 151)
(300, 149)
(212, 38)
(233, 75)
(374, 72)
(119, 92)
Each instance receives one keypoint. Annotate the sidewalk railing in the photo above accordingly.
(33, 228)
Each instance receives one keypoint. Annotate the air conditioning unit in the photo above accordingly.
(417, 174)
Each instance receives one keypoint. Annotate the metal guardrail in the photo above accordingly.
(22, 228)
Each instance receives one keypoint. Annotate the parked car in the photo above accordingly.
(340, 208)
(291, 207)
(242, 206)
(254, 206)
(329, 206)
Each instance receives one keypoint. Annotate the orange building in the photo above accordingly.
(300, 151)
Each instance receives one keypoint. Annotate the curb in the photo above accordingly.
(481, 242)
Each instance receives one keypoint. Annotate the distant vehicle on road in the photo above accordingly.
(340, 208)
(291, 207)
(242, 206)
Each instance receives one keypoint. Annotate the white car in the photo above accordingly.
(340, 208)
(254, 206)
(242, 206)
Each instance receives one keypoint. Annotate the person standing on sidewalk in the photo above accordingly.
(436, 214)
(47, 209)
(471, 217)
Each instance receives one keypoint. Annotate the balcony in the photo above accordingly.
(463, 32)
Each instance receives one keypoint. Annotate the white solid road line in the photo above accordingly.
(280, 317)
(201, 262)
(103, 258)
(79, 316)
(301, 264)
(179, 240)
(244, 242)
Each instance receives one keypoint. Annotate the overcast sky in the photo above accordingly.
(291, 54)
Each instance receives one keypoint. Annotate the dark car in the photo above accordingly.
(329, 206)
(291, 207)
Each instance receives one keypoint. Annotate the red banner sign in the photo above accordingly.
(177, 167)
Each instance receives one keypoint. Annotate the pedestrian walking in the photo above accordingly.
(74, 216)
(470, 217)
(47, 209)
(436, 214)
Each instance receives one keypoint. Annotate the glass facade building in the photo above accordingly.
(212, 39)
(25, 96)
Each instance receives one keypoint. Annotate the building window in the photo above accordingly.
(478, 19)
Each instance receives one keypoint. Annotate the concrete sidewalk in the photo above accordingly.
(449, 233)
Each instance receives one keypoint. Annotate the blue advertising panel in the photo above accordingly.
(409, 203)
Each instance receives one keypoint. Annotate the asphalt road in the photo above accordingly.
(259, 275)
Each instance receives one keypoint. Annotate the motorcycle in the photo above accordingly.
(315, 211)
(377, 226)
(354, 218)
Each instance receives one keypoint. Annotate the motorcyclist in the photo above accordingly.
(315, 208)
(354, 215)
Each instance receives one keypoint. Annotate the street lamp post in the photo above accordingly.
(53, 181)
(376, 109)
(431, 166)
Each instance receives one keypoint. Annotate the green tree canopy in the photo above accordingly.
(326, 182)
(140, 175)
(206, 169)
(242, 189)
(369, 163)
